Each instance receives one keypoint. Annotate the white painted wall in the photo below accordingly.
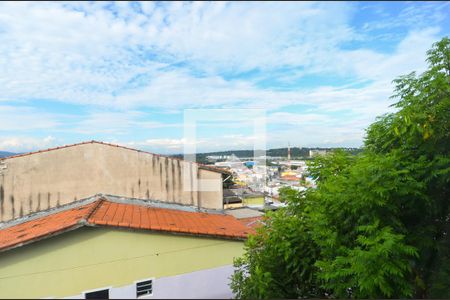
(204, 284)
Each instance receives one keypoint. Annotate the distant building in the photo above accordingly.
(218, 157)
(249, 164)
(316, 152)
(243, 197)
(294, 163)
(229, 164)
(251, 218)
(290, 175)
(110, 247)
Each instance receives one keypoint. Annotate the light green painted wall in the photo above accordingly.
(253, 201)
(90, 258)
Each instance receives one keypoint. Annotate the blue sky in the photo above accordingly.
(125, 72)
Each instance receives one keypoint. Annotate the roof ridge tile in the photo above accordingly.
(94, 208)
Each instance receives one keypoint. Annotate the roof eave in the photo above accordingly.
(43, 237)
(183, 233)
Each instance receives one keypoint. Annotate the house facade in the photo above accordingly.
(106, 248)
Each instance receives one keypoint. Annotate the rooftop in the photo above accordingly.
(103, 212)
(244, 212)
(253, 222)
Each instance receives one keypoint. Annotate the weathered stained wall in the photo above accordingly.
(43, 180)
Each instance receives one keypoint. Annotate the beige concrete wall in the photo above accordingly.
(42, 180)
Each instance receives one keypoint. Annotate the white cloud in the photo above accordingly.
(117, 122)
(160, 142)
(298, 119)
(89, 54)
(24, 144)
(204, 144)
(173, 56)
(13, 118)
(409, 56)
(416, 15)
(163, 145)
(242, 36)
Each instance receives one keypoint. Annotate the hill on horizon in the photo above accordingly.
(296, 152)
(6, 154)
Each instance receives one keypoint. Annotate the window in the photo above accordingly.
(144, 288)
(100, 294)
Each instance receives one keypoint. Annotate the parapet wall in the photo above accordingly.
(35, 182)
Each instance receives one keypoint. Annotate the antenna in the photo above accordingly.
(289, 156)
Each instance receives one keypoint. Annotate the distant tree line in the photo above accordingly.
(6, 154)
(296, 153)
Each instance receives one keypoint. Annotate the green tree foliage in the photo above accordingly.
(280, 258)
(377, 225)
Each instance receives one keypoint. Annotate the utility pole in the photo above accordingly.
(289, 156)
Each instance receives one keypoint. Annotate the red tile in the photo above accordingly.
(136, 216)
(145, 222)
(41, 227)
(105, 213)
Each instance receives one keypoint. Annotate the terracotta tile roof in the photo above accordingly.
(202, 166)
(26, 232)
(106, 213)
(290, 178)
